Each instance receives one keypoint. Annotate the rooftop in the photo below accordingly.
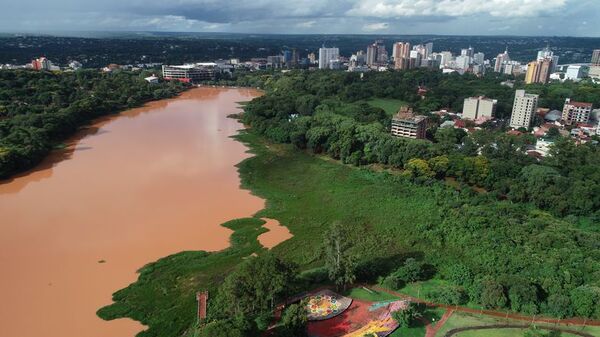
(579, 104)
(406, 114)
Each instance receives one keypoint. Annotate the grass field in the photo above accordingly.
(390, 105)
(459, 319)
(373, 296)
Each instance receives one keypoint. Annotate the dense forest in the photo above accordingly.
(40, 109)
(98, 50)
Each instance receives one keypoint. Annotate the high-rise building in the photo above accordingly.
(470, 52)
(428, 49)
(547, 53)
(539, 71)
(371, 54)
(446, 58)
(41, 63)
(576, 112)
(524, 107)
(401, 55)
(382, 55)
(326, 55)
(479, 107)
(463, 62)
(479, 58)
(312, 58)
(596, 57)
(415, 59)
(501, 59)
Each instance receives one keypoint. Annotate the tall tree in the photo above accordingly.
(340, 262)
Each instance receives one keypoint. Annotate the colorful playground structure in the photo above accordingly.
(333, 315)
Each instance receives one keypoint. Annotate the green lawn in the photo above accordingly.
(431, 315)
(390, 105)
(500, 333)
(459, 319)
(373, 296)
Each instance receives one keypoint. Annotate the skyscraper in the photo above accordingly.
(371, 54)
(539, 71)
(428, 49)
(470, 52)
(479, 58)
(501, 59)
(524, 107)
(596, 57)
(401, 55)
(326, 56)
(547, 53)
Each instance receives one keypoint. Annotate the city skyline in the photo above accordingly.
(444, 17)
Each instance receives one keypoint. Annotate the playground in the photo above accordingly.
(333, 315)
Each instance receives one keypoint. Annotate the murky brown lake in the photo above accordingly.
(133, 188)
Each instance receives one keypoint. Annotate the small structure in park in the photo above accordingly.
(326, 304)
(202, 298)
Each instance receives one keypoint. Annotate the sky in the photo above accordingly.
(444, 17)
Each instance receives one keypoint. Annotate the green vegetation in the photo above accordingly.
(39, 109)
(389, 105)
(371, 295)
(460, 319)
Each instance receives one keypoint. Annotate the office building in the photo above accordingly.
(524, 108)
(326, 55)
(539, 71)
(401, 54)
(312, 58)
(408, 125)
(475, 108)
(576, 112)
(190, 73)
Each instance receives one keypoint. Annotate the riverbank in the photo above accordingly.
(42, 109)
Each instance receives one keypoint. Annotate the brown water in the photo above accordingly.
(131, 189)
(276, 234)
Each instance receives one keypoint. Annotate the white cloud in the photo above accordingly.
(307, 24)
(454, 8)
(373, 27)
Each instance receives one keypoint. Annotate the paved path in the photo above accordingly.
(431, 330)
(498, 314)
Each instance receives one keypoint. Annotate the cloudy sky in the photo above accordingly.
(465, 17)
